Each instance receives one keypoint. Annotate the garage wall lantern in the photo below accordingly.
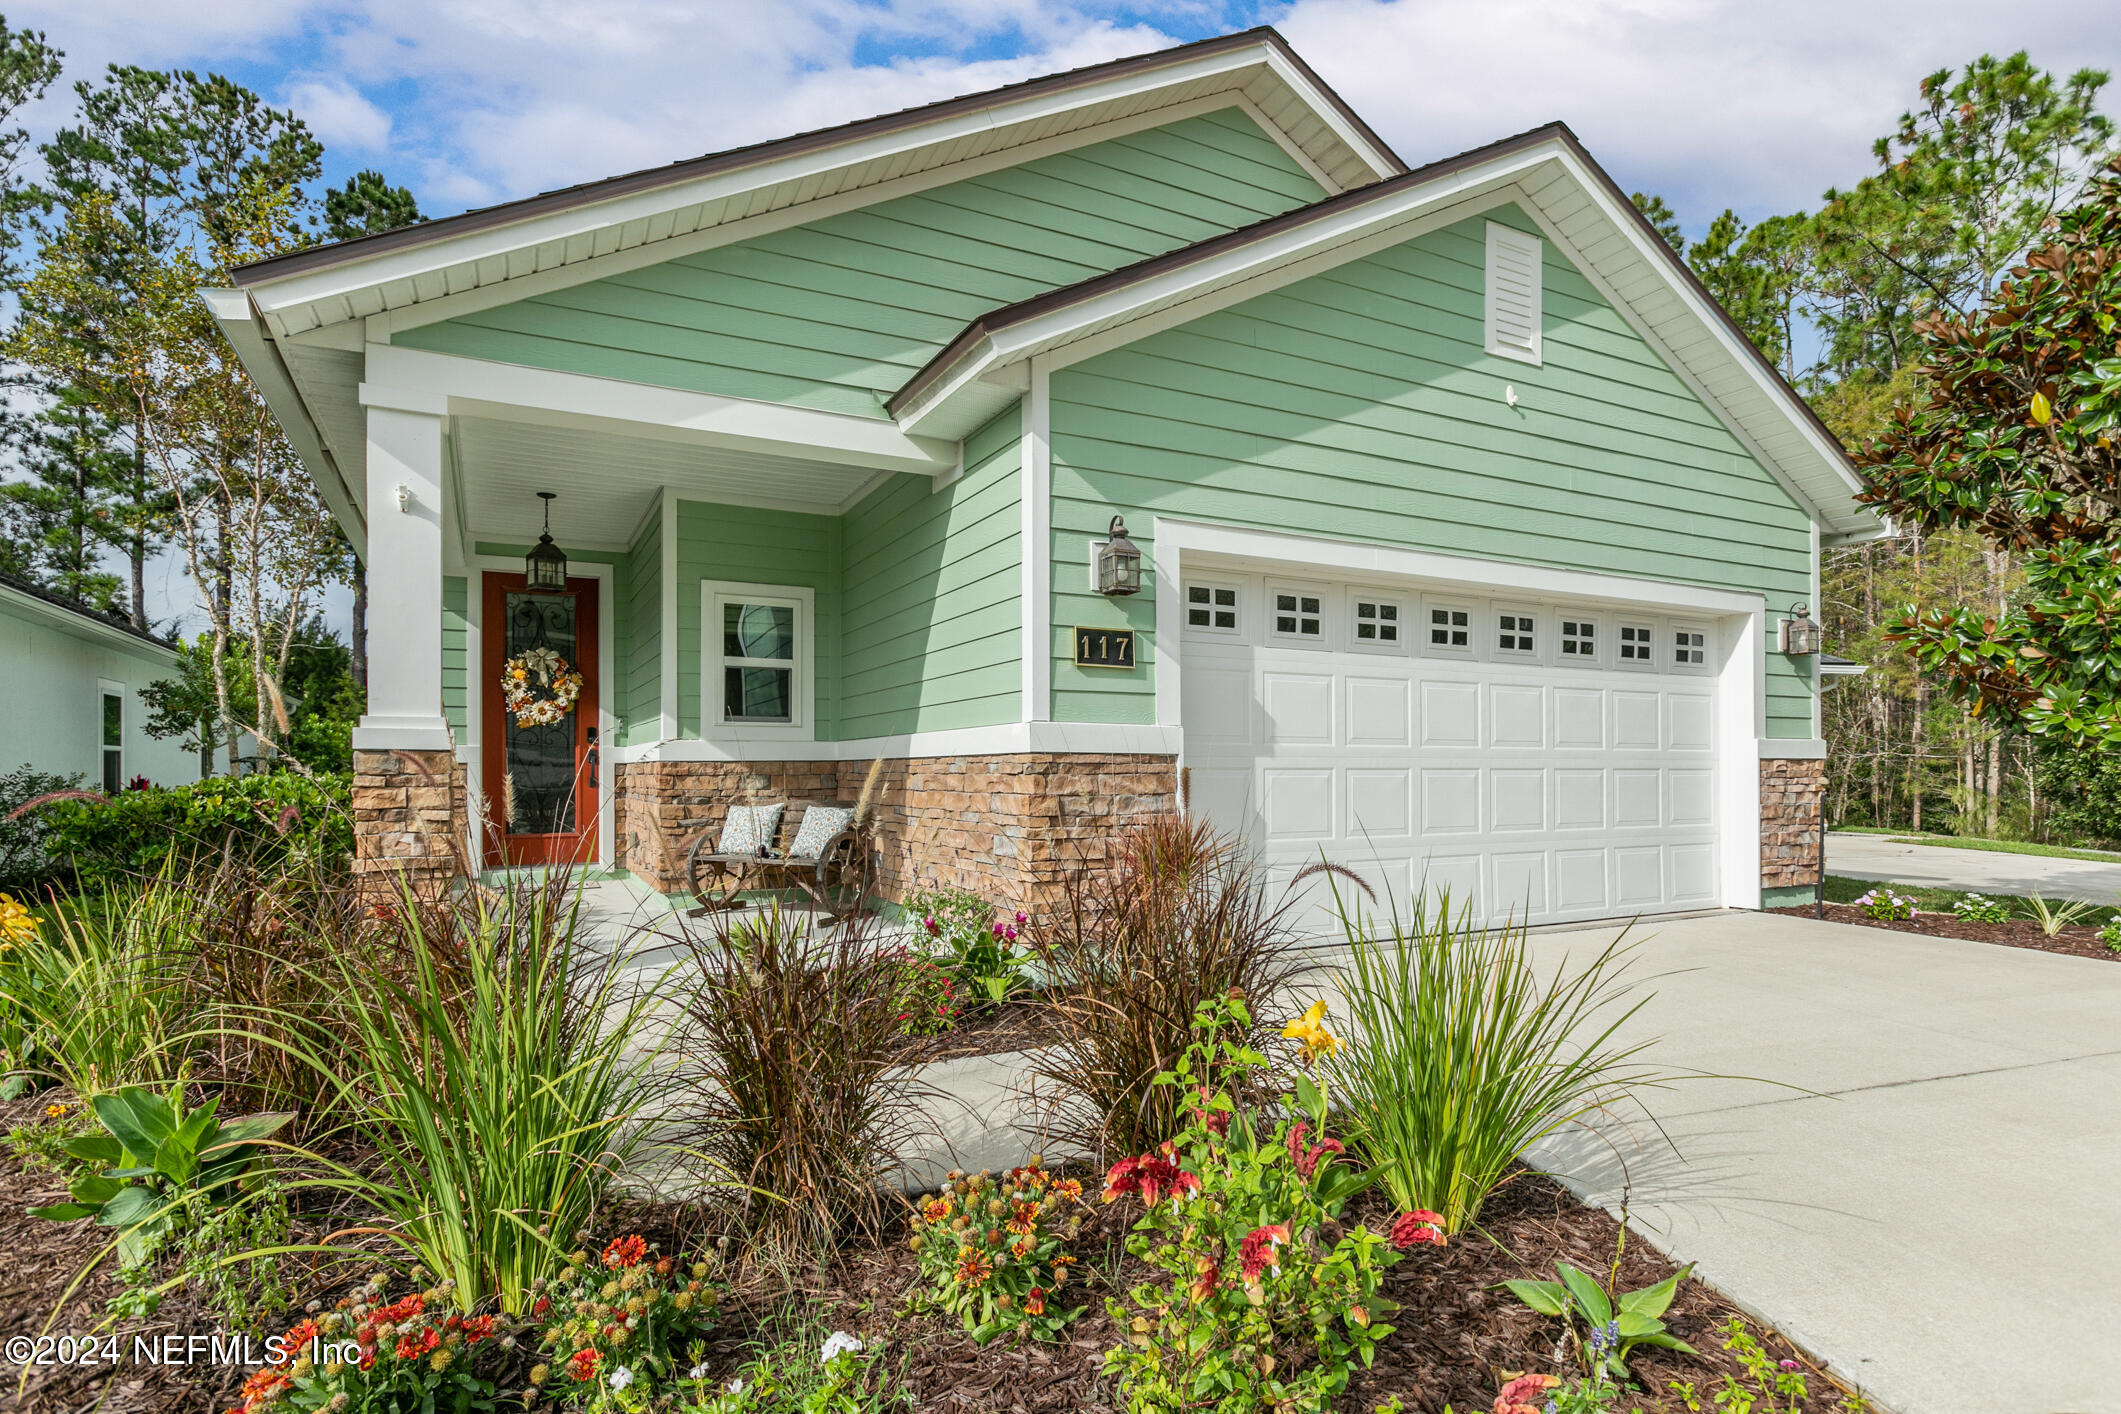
(1800, 636)
(1119, 562)
(545, 567)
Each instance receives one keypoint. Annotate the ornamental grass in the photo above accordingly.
(1182, 914)
(1460, 1057)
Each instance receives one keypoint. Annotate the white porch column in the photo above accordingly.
(404, 565)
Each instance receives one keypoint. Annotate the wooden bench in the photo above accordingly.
(836, 878)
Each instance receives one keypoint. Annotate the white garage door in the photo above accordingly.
(1547, 761)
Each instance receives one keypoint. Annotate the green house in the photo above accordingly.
(1468, 524)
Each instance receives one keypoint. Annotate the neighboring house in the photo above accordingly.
(1468, 521)
(70, 694)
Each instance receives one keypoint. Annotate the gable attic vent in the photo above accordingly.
(1513, 293)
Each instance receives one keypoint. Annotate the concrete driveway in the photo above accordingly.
(1940, 1221)
(1877, 857)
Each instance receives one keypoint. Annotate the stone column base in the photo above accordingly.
(409, 820)
(1792, 803)
(1007, 827)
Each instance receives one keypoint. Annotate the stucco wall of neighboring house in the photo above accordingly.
(1360, 404)
(837, 313)
(51, 702)
(931, 629)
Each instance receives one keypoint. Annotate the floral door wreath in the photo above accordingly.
(539, 687)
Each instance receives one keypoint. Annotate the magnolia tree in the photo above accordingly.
(2016, 441)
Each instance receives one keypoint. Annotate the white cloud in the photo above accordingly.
(339, 115)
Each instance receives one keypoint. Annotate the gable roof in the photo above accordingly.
(327, 284)
(71, 616)
(1545, 170)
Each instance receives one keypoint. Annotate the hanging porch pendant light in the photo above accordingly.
(545, 567)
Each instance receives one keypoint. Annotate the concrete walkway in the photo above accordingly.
(1978, 870)
(1938, 1221)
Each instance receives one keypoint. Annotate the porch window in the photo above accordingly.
(759, 654)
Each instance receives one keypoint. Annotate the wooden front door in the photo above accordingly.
(541, 781)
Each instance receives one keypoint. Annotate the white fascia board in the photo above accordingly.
(1746, 359)
(81, 626)
(339, 281)
(512, 392)
(1006, 739)
(1381, 164)
(231, 309)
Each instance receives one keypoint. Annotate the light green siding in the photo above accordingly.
(455, 635)
(752, 546)
(640, 647)
(934, 597)
(839, 312)
(1360, 404)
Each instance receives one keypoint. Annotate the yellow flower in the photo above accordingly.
(16, 925)
(55, 1112)
(1309, 1031)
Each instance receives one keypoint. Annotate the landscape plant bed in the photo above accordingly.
(2014, 933)
(1458, 1334)
(1018, 1024)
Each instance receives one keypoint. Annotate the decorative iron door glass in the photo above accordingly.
(539, 792)
(758, 662)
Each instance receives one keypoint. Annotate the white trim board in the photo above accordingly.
(1035, 545)
(802, 727)
(1006, 739)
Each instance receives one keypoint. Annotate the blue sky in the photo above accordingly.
(1711, 103)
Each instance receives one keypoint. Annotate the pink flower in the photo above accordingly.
(1022, 918)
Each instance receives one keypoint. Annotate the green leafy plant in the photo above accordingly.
(2110, 935)
(2054, 917)
(1614, 1322)
(415, 1355)
(806, 1371)
(993, 1252)
(1461, 1056)
(1886, 905)
(497, 1081)
(1263, 1298)
(274, 818)
(97, 992)
(624, 1309)
(154, 1157)
(925, 994)
(1764, 1386)
(25, 863)
(1179, 914)
(1979, 908)
(983, 951)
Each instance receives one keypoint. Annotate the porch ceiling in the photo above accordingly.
(606, 482)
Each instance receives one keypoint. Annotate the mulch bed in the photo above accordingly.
(1018, 1024)
(1458, 1335)
(2015, 933)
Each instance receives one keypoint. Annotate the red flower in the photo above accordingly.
(1416, 1228)
(399, 1312)
(1151, 1175)
(264, 1387)
(298, 1338)
(973, 1267)
(625, 1251)
(477, 1328)
(1203, 1285)
(1035, 1302)
(1259, 1250)
(541, 1306)
(1524, 1387)
(412, 1347)
(583, 1366)
(1306, 1158)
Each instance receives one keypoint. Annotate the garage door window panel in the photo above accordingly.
(1580, 640)
(1635, 646)
(1690, 649)
(1517, 634)
(1212, 607)
(1296, 615)
(1376, 622)
(1447, 628)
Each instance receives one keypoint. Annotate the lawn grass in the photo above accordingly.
(2051, 851)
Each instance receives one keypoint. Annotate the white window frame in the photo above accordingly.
(1504, 242)
(105, 688)
(802, 694)
(1500, 654)
(1270, 612)
(1211, 584)
(1400, 621)
(1707, 647)
(1597, 638)
(1647, 663)
(1432, 604)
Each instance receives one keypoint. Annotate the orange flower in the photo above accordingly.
(935, 1210)
(1024, 1219)
(973, 1268)
(1069, 1188)
(583, 1365)
(1021, 1248)
(625, 1251)
(1035, 1303)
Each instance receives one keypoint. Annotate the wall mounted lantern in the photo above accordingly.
(1800, 636)
(1119, 562)
(545, 567)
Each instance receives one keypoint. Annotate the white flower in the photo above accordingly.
(697, 1372)
(621, 1377)
(736, 1386)
(837, 1344)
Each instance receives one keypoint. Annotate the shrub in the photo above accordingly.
(2080, 794)
(983, 952)
(1461, 1057)
(1264, 1300)
(801, 1101)
(371, 1356)
(926, 992)
(1885, 905)
(496, 1081)
(2111, 934)
(94, 995)
(804, 1372)
(280, 819)
(624, 1309)
(25, 863)
(1979, 908)
(1180, 916)
(993, 1252)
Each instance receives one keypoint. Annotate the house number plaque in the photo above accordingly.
(1104, 648)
